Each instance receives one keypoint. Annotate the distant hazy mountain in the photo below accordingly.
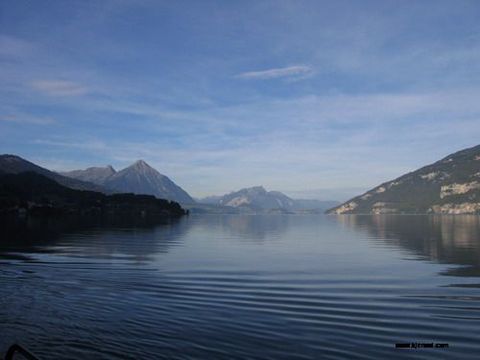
(451, 185)
(139, 178)
(258, 199)
(12, 164)
(210, 200)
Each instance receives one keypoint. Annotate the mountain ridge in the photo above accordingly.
(138, 178)
(37, 195)
(257, 198)
(99, 174)
(14, 164)
(450, 185)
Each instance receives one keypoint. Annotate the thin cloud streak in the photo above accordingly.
(286, 72)
(59, 87)
(85, 145)
(27, 119)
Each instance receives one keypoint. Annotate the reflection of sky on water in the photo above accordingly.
(182, 288)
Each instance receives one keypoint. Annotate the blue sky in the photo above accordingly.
(313, 98)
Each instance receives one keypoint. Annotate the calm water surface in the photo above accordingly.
(243, 287)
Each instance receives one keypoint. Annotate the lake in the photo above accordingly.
(243, 287)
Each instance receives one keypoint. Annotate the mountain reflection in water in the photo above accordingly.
(21, 237)
(449, 239)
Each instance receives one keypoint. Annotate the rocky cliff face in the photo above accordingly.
(448, 186)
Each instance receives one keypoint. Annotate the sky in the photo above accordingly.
(318, 99)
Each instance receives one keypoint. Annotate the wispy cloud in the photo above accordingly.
(12, 46)
(93, 145)
(385, 93)
(285, 72)
(304, 143)
(27, 119)
(59, 87)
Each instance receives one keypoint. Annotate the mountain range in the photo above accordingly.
(138, 178)
(35, 194)
(257, 199)
(12, 164)
(448, 186)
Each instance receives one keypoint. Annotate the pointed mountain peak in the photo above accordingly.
(141, 178)
(141, 165)
(140, 162)
(111, 169)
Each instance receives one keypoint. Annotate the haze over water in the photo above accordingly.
(233, 286)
